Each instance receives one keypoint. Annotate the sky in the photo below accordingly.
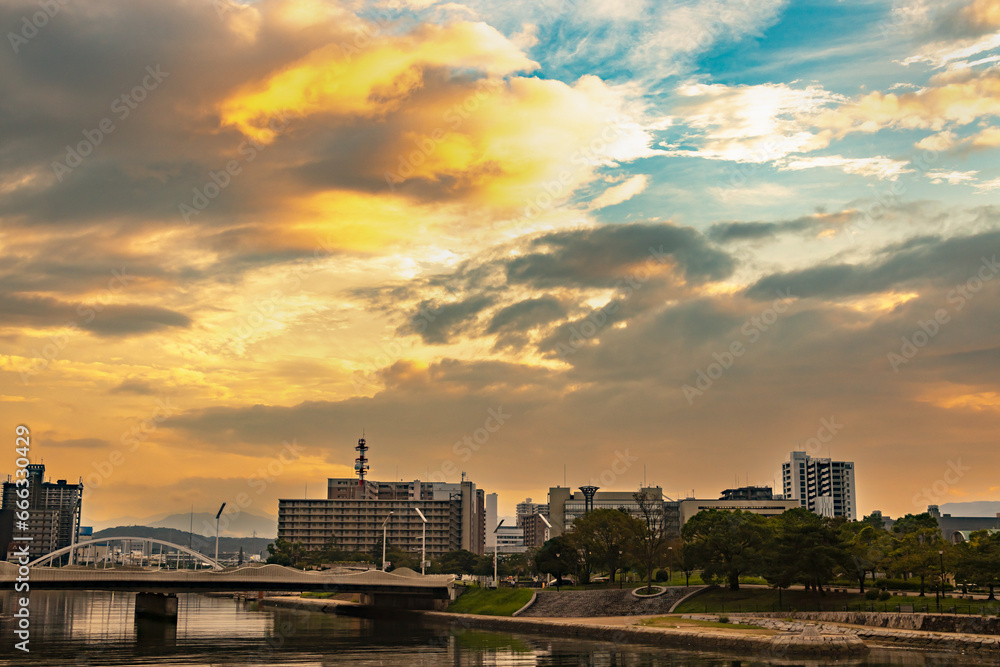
(561, 240)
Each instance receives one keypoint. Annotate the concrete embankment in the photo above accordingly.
(619, 630)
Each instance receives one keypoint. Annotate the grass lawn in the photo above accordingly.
(490, 602)
(678, 622)
(722, 600)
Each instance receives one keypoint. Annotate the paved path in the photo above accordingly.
(601, 603)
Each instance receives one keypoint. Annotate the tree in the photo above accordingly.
(806, 549)
(918, 541)
(867, 549)
(557, 557)
(978, 559)
(650, 532)
(727, 544)
(604, 535)
(459, 561)
(283, 552)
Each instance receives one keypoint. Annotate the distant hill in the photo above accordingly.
(988, 508)
(233, 523)
(200, 543)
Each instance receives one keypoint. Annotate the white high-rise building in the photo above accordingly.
(822, 486)
(491, 522)
(528, 508)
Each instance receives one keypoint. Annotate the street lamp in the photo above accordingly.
(941, 582)
(496, 548)
(423, 540)
(217, 531)
(384, 529)
(558, 572)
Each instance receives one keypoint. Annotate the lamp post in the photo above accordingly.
(558, 571)
(217, 531)
(621, 567)
(384, 530)
(496, 548)
(423, 540)
(941, 582)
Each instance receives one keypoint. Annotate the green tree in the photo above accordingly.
(918, 541)
(458, 561)
(806, 548)
(605, 535)
(283, 552)
(558, 556)
(867, 549)
(978, 560)
(727, 544)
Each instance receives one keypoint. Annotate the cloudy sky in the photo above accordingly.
(675, 239)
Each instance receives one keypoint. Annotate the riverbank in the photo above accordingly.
(614, 629)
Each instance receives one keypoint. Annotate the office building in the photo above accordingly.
(491, 522)
(53, 513)
(528, 508)
(957, 529)
(535, 530)
(352, 514)
(688, 507)
(510, 540)
(823, 486)
(748, 493)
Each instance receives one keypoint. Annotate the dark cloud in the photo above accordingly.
(78, 443)
(114, 320)
(597, 257)
(439, 323)
(134, 386)
(925, 260)
(512, 323)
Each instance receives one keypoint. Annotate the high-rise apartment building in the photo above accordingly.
(53, 513)
(529, 508)
(823, 486)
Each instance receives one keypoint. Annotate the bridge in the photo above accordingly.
(158, 587)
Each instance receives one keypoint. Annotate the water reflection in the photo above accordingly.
(100, 629)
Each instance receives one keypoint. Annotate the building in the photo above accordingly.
(565, 507)
(352, 514)
(957, 528)
(536, 530)
(748, 493)
(510, 540)
(823, 486)
(528, 508)
(491, 522)
(688, 507)
(53, 513)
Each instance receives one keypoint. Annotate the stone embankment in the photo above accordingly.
(977, 636)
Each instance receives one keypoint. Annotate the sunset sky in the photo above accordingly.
(672, 238)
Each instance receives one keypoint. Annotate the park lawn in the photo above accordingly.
(678, 622)
(491, 602)
(722, 600)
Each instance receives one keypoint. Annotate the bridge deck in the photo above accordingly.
(267, 577)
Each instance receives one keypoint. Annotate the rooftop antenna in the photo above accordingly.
(564, 474)
(361, 463)
(644, 474)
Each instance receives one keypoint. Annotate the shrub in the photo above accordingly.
(884, 595)
(871, 594)
(661, 576)
(723, 619)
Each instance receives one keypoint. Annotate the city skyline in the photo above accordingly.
(657, 244)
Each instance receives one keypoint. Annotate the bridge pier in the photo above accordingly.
(161, 606)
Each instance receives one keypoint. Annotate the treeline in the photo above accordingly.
(796, 547)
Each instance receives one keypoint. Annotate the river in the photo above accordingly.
(70, 629)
